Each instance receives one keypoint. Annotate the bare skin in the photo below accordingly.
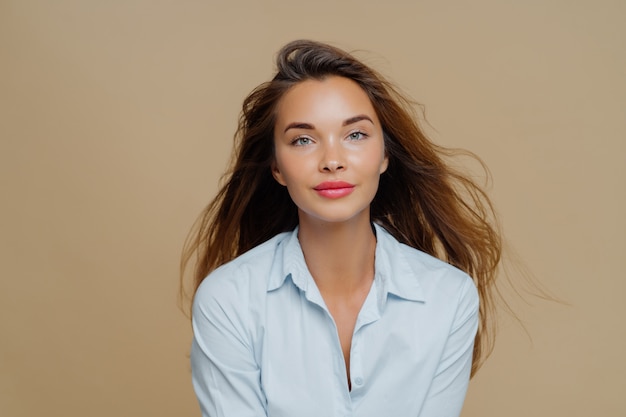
(327, 132)
(340, 258)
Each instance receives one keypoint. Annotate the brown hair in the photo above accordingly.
(421, 200)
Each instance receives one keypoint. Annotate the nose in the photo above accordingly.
(332, 159)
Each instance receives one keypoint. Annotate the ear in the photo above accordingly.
(384, 164)
(277, 174)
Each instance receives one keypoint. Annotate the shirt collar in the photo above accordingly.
(394, 274)
(289, 263)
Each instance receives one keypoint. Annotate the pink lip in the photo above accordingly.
(334, 189)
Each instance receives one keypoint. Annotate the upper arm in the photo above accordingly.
(449, 385)
(225, 374)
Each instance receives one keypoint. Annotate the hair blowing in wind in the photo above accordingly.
(421, 200)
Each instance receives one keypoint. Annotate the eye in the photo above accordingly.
(357, 135)
(302, 141)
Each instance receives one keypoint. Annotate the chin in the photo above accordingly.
(334, 216)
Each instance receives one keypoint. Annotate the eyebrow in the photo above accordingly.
(349, 121)
(355, 119)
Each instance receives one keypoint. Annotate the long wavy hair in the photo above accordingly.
(422, 201)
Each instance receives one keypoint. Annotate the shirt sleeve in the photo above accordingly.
(449, 386)
(225, 374)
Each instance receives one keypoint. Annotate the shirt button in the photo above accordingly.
(358, 380)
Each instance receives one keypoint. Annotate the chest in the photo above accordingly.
(344, 313)
(312, 351)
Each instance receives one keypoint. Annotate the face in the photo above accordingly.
(329, 149)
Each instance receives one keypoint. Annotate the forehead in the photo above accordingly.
(327, 100)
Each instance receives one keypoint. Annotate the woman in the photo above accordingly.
(339, 252)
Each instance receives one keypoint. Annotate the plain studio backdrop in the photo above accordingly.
(116, 122)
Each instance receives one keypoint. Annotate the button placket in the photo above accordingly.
(356, 370)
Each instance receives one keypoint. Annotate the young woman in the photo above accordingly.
(350, 269)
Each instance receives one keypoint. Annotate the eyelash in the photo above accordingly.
(298, 141)
(362, 135)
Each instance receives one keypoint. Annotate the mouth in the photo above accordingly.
(334, 189)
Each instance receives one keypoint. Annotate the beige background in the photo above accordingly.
(116, 120)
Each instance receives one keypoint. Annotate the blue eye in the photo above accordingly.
(302, 141)
(356, 135)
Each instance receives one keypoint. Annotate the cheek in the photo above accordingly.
(383, 160)
(287, 169)
(374, 161)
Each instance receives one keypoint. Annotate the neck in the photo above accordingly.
(340, 256)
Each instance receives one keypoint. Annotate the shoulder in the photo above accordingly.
(436, 279)
(249, 273)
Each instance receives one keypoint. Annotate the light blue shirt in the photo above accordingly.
(266, 345)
